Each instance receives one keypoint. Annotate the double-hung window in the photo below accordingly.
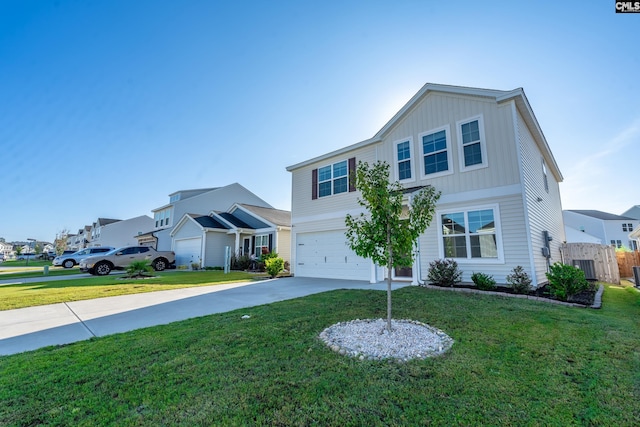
(472, 144)
(435, 152)
(404, 159)
(262, 245)
(471, 234)
(333, 179)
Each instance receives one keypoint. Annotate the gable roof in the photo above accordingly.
(274, 216)
(605, 216)
(499, 96)
(209, 222)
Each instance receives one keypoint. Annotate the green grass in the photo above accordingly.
(24, 263)
(28, 272)
(41, 293)
(514, 363)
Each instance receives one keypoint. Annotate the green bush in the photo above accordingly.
(519, 280)
(273, 266)
(566, 281)
(240, 262)
(139, 269)
(444, 272)
(483, 281)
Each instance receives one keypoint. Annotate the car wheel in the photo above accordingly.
(68, 263)
(160, 264)
(102, 268)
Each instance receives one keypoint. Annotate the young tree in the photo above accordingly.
(60, 243)
(388, 233)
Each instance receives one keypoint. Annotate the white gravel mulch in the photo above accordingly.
(369, 339)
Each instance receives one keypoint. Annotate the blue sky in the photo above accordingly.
(106, 107)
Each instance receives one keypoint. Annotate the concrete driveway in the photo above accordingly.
(31, 328)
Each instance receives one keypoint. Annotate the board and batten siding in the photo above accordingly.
(544, 208)
(215, 242)
(437, 110)
(188, 229)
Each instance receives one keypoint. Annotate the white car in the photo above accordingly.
(69, 260)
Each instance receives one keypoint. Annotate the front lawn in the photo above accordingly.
(41, 293)
(514, 363)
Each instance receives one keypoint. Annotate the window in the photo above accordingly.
(616, 243)
(470, 234)
(544, 176)
(403, 159)
(262, 245)
(332, 179)
(435, 152)
(162, 218)
(472, 144)
(627, 227)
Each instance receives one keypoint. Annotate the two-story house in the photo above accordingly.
(483, 149)
(611, 229)
(198, 224)
(119, 233)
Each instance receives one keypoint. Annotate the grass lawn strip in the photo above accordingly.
(514, 363)
(41, 293)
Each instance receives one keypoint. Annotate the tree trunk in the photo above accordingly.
(389, 269)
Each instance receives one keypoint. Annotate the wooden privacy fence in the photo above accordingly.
(604, 263)
(626, 260)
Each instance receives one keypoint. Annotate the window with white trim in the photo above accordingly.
(403, 155)
(333, 179)
(262, 245)
(544, 176)
(627, 227)
(436, 159)
(472, 144)
(470, 234)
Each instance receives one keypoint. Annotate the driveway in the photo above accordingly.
(31, 328)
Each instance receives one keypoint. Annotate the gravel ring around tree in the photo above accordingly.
(369, 339)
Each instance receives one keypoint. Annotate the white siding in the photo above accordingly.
(544, 209)
(123, 233)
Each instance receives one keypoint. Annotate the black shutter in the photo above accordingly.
(253, 246)
(314, 184)
(270, 242)
(352, 174)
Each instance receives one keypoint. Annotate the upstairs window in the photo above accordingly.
(435, 152)
(333, 179)
(472, 144)
(627, 227)
(403, 159)
(544, 176)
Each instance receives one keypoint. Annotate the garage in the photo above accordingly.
(326, 255)
(188, 251)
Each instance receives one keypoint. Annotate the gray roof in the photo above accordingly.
(274, 216)
(605, 216)
(209, 222)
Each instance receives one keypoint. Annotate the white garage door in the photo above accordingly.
(326, 255)
(188, 251)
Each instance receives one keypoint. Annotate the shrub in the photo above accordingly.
(273, 266)
(240, 262)
(139, 269)
(444, 272)
(566, 281)
(483, 281)
(519, 280)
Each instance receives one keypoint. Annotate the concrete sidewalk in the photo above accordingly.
(31, 328)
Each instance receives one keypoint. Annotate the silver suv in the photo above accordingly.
(69, 260)
(119, 259)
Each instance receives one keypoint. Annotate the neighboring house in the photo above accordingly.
(632, 212)
(119, 233)
(611, 229)
(197, 202)
(6, 249)
(573, 235)
(483, 149)
(82, 239)
(245, 229)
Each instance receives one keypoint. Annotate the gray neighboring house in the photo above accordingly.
(118, 233)
(610, 228)
(193, 219)
(245, 229)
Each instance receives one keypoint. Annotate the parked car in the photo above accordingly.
(119, 259)
(69, 260)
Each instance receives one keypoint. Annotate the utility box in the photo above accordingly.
(636, 276)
